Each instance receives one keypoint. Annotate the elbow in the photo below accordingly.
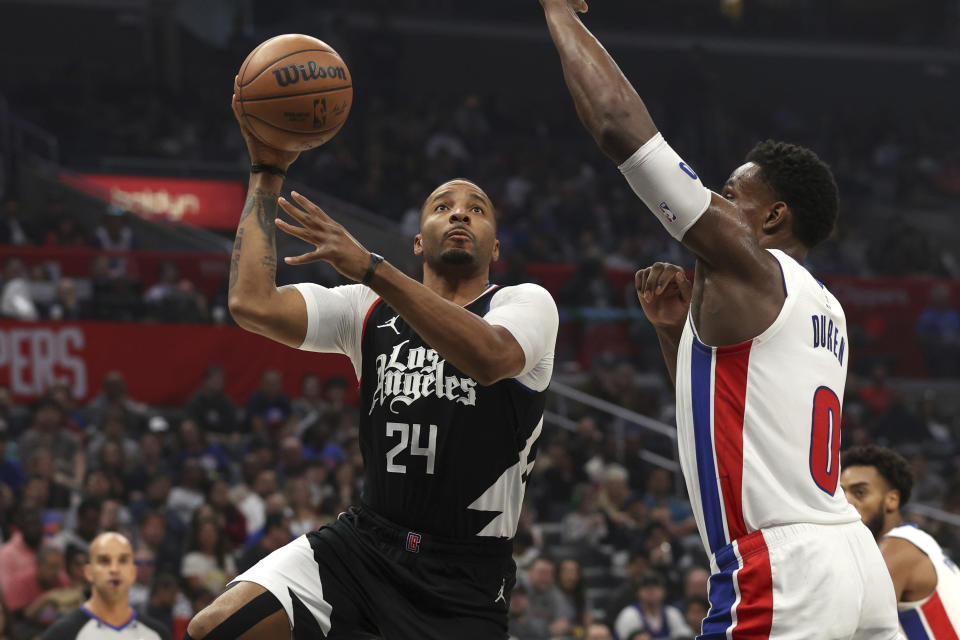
(246, 314)
(493, 369)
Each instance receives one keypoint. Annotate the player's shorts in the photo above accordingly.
(801, 581)
(365, 577)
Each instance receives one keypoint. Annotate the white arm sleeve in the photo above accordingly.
(529, 313)
(667, 185)
(335, 318)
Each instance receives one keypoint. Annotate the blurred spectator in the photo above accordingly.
(12, 473)
(597, 631)
(876, 393)
(146, 563)
(276, 533)
(694, 613)
(308, 408)
(585, 524)
(938, 332)
(51, 605)
(570, 584)
(114, 396)
(26, 587)
(613, 500)
(207, 564)
(47, 432)
(13, 230)
(68, 306)
(268, 405)
(679, 516)
(547, 602)
(163, 599)
(19, 554)
(521, 624)
(87, 527)
(65, 233)
(214, 411)
(650, 614)
(114, 232)
(254, 506)
(193, 445)
(234, 523)
(112, 428)
(189, 493)
(161, 534)
(16, 299)
(151, 462)
(304, 510)
(557, 481)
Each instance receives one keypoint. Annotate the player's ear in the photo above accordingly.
(418, 245)
(892, 501)
(86, 573)
(778, 215)
(496, 251)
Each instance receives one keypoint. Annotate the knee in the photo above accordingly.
(204, 622)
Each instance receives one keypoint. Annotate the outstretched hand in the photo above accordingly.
(579, 6)
(331, 240)
(664, 293)
(261, 153)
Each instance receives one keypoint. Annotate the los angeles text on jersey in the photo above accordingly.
(828, 336)
(420, 374)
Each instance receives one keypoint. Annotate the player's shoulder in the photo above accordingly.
(358, 295)
(67, 627)
(523, 292)
(912, 534)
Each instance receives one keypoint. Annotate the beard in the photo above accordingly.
(875, 523)
(457, 257)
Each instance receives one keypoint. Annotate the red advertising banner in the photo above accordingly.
(163, 364)
(212, 204)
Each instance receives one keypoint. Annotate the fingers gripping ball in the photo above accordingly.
(294, 92)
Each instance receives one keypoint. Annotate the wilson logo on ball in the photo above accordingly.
(294, 73)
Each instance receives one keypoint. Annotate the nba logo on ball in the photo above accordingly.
(665, 210)
(413, 542)
(319, 113)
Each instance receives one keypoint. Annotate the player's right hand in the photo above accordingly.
(664, 294)
(261, 153)
(580, 6)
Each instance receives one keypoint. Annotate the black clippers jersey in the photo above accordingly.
(442, 454)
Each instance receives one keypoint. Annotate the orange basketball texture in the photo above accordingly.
(294, 92)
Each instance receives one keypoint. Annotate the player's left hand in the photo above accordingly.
(332, 241)
(664, 293)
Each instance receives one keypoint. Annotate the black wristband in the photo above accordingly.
(375, 261)
(268, 168)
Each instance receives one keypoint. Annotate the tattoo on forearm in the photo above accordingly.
(264, 205)
(270, 263)
(235, 260)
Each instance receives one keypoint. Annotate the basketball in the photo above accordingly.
(294, 92)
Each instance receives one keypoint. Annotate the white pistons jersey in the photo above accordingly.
(759, 422)
(936, 617)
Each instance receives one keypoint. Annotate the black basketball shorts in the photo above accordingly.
(364, 577)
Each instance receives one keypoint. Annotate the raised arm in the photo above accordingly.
(255, 302)
(608, 105)
(716, 229)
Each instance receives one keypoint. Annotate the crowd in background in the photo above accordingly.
(206, 489)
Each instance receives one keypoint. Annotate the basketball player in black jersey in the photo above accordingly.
(452, 373)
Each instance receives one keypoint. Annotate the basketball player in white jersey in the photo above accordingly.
(878, 483)
(758, 352)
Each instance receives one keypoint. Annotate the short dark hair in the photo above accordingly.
(888, 463)
(802, 180)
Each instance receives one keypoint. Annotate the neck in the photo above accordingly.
(115, 613)
(457, 287)
(650, 609)
(891, 522)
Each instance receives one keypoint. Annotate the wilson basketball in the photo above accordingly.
(294, 92)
